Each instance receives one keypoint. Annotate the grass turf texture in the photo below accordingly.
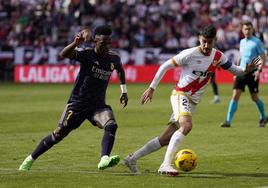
(227, 157)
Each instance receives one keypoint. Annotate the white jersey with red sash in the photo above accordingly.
(196, 71)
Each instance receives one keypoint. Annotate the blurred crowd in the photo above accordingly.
(168, 24)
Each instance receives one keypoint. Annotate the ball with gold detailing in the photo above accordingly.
(186, 160)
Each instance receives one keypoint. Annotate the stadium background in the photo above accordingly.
(145, 33)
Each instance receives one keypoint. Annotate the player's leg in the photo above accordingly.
(183, 109)
(254, 89)
(151, 146)
(233, 105)
(105, 119)
(238, 88)
(260, 106)
(215, 89)
(69, 120)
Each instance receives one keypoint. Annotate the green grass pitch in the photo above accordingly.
(227, 157)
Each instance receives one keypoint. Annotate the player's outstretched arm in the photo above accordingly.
(236, 70)
(148, 93)
(81, 37)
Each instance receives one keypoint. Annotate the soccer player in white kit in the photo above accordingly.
(197, 64)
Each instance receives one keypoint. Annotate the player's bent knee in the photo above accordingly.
(104, 118)
(186, 127)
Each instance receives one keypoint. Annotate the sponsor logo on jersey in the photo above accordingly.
(203, 74)
(101, 73)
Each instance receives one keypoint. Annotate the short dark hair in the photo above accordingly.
(247, 23)
(208, 31)
(103, 30)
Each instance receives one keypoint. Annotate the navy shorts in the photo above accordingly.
(248, 79)
(74, 114)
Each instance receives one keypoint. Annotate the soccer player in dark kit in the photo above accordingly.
(87, 100)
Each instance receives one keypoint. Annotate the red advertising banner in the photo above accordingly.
(134, 74)
(45, 73)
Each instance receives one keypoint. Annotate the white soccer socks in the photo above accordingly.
(151, 146)
(173, 147)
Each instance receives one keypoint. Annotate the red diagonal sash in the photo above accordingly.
(196, 84)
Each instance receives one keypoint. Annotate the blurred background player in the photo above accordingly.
(251, 48)
(197, 63)
(87, 100)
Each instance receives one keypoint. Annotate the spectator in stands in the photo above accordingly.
(136, 23)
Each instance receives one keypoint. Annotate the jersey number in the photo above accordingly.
(184, 102)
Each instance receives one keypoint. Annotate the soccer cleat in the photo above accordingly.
(26, 164)
(168, 170)
(107, 162)
(216, 101)
(263, 122)
(131, 164)
(225, 124)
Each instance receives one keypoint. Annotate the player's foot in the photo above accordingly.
(168, 170)
(216, 101)
(26, 164)
(225, 124)
(107, 161)
(263, 122)
(131, 164)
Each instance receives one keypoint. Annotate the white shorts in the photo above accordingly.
(181, 106)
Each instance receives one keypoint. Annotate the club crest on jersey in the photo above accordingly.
(216, 63)
(96, 62)
(112, 66)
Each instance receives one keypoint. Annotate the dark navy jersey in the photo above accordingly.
(93, 78)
